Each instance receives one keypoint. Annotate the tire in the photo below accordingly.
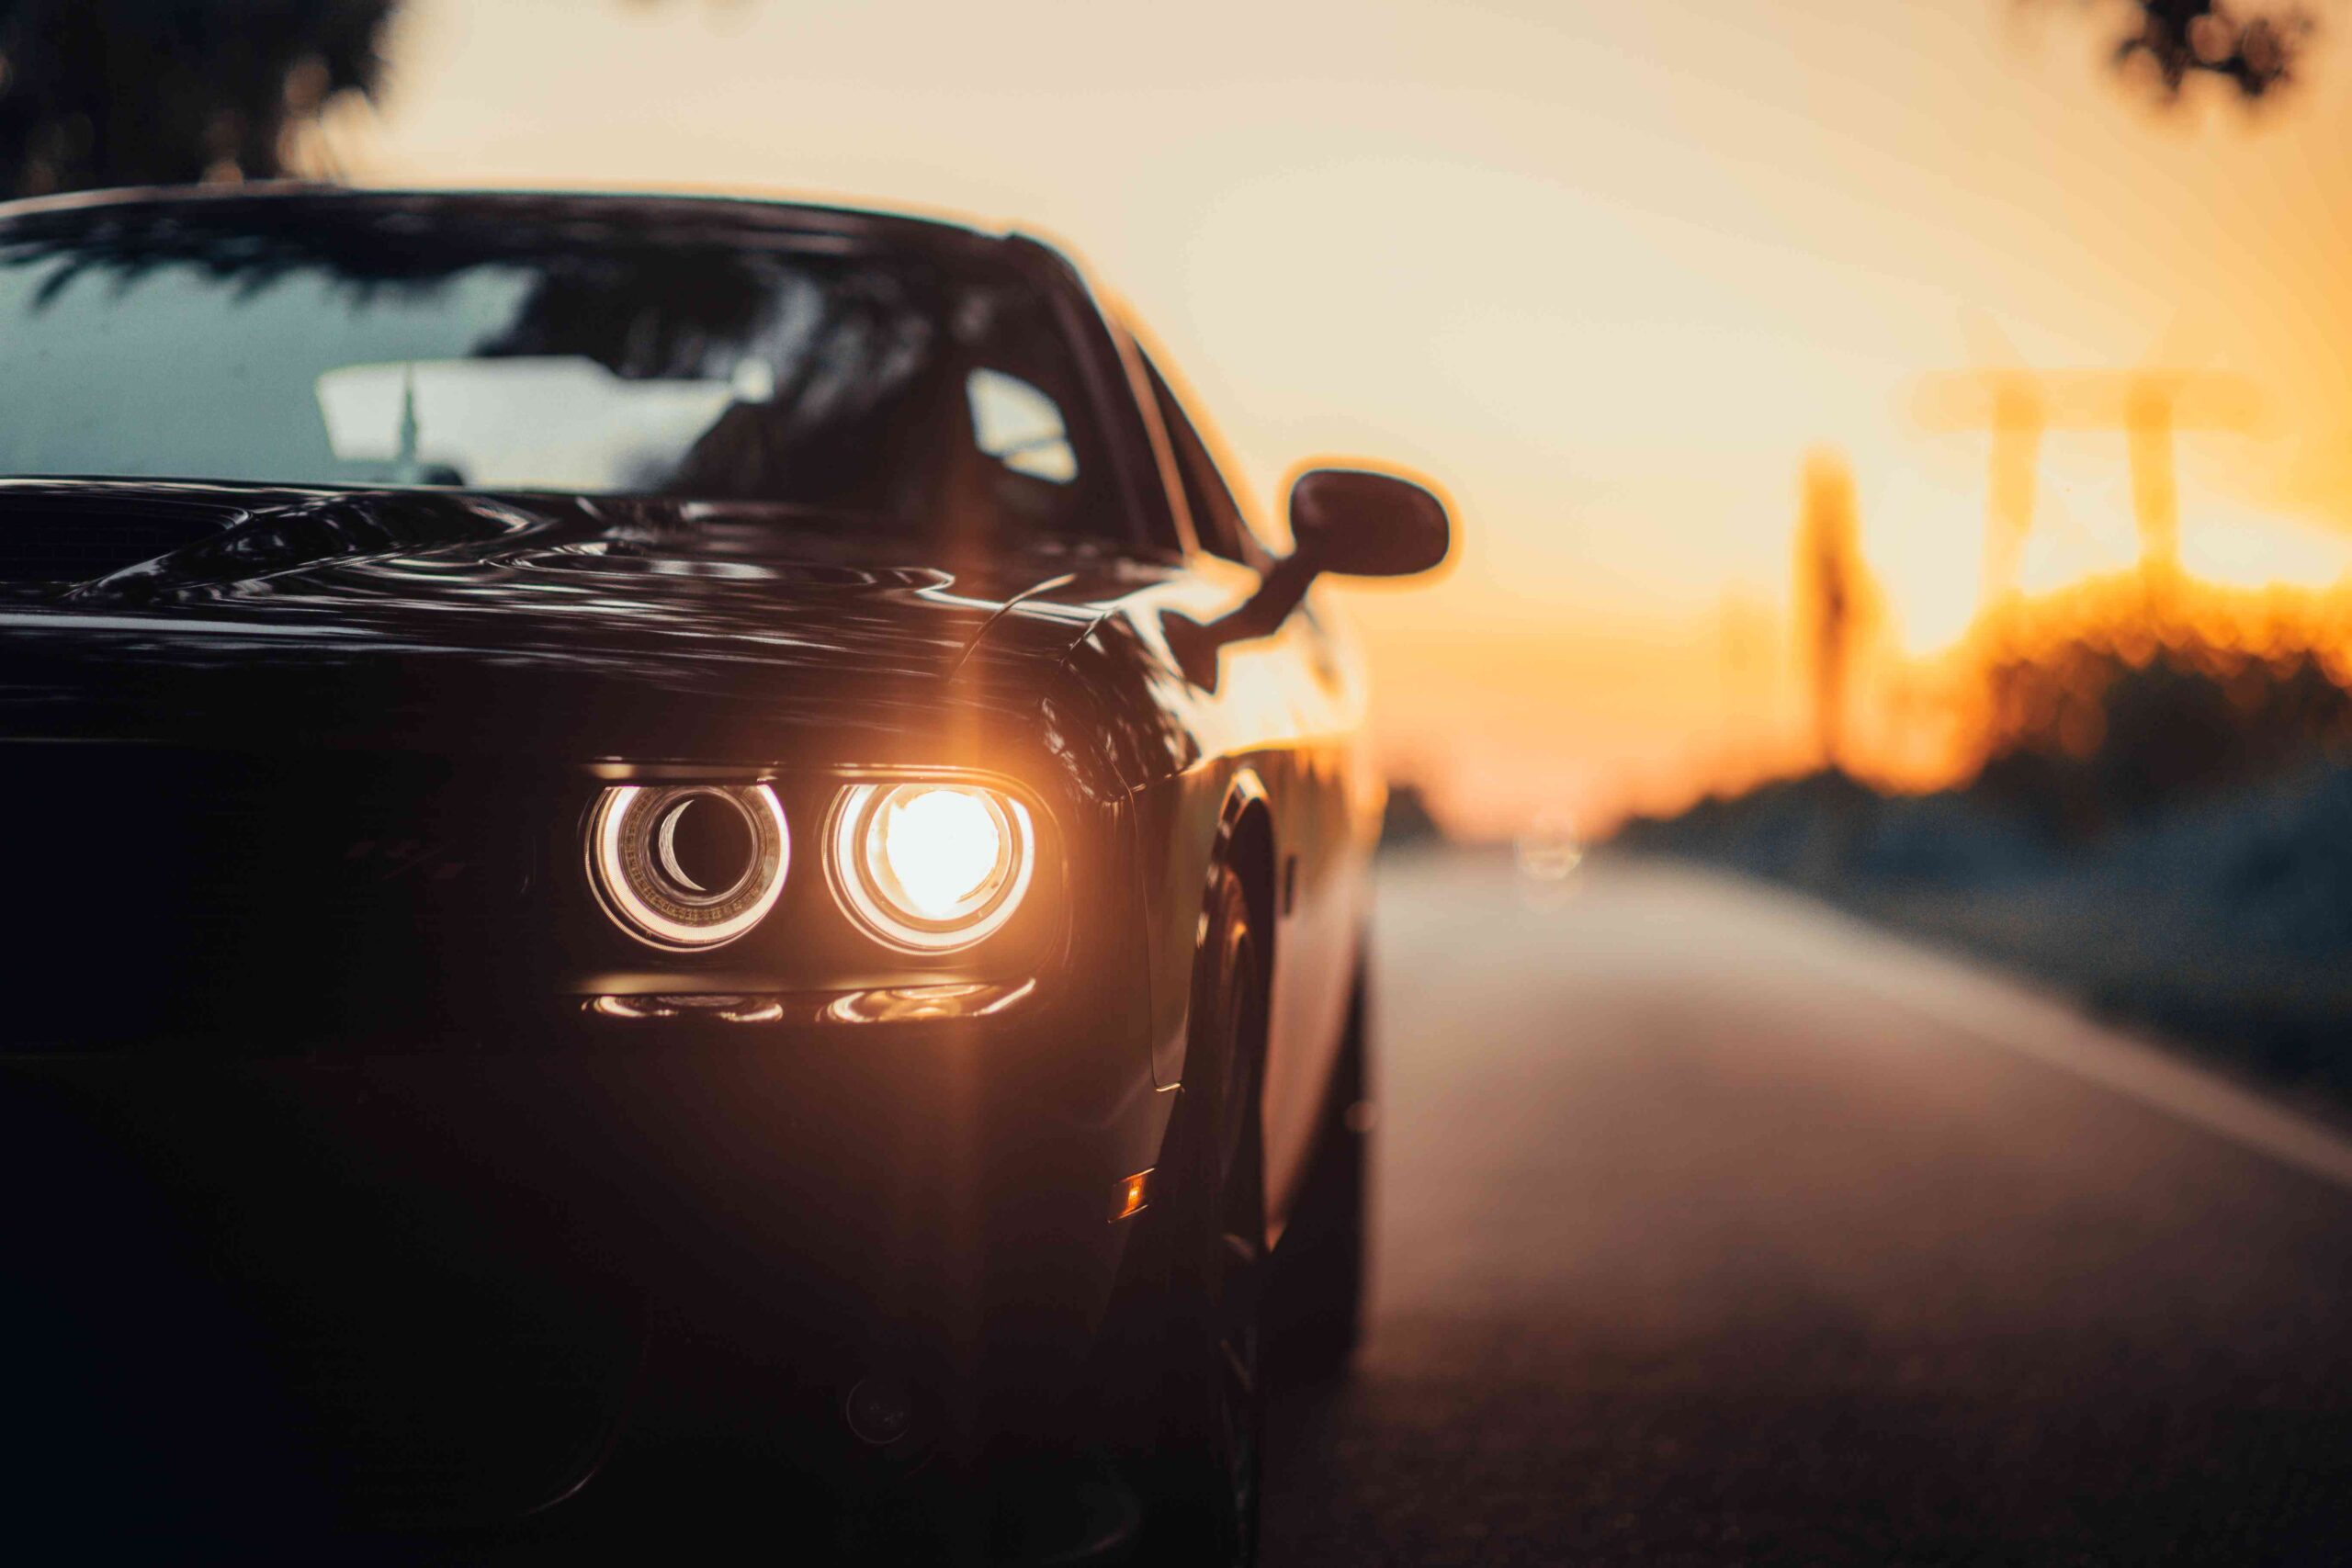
(1203, 1491)
(1315, 1305)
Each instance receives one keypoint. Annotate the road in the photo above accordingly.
(1713, 1228)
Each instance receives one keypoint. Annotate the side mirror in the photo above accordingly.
(1348, 521)
(1355, 522)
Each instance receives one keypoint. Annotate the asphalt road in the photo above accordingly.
(1713, 1228)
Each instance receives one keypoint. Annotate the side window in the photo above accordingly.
(1216, 518)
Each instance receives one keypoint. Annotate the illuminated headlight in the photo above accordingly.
(688, 866)
(930, 867)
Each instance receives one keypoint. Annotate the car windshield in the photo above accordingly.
(551, 347)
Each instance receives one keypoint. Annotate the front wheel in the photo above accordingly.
(1203, 1507)
(1315, 1312)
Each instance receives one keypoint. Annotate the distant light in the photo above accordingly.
(1549, 849)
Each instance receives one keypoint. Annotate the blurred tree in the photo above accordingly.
(1407, 819)
(2083, 737)
(166, 92)
(126, 92)
(2255, 47)
(1835, 599)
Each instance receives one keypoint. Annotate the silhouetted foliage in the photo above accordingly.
(1407, 819)
(97, 93)
(2254, 48)
(131, 92)
(2082, 743)
(2163, 831)
(2083, 740)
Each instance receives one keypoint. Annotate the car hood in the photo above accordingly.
(547, 627)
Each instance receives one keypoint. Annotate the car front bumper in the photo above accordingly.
(455, 1283)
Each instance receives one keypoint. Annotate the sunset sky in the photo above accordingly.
(1610, 272)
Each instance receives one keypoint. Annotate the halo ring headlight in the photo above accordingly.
(930, 866)
(688, 867)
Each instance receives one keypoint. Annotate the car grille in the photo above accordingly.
(299, 1239)
(335, 894)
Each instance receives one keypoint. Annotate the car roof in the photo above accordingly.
(715, 215)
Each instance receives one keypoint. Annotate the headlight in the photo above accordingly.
(688, 866)
(930, 867)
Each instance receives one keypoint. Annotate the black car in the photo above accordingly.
(660, 848)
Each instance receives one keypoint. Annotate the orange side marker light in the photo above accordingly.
(1134, 1196)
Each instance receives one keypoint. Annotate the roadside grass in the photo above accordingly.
(2224, 925)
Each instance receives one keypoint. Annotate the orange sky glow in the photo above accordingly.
(1609, 271)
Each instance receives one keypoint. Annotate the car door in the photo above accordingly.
(1291, 706)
